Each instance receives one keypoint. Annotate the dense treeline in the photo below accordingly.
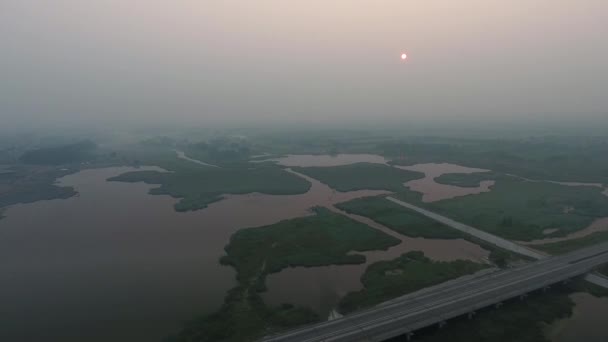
(65, 154)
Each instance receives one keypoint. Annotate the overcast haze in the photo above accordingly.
(301, 60)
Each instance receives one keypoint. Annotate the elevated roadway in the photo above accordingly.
(434, 306)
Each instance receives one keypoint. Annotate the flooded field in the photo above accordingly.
(433, 191)
(599, 225)
(321, 288)
(588, 322)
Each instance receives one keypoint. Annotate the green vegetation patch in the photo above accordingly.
(27, 184)
(221, 150)
(573, 159)
(470, 180)
(410, 272)
(323, 239)
(566, 246)
(399, 219)
(361, 176)
(199, 186)
(413, 224)
(522, 210)
(244, 317)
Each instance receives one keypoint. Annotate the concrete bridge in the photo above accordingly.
(402, 317)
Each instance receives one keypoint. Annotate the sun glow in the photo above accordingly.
(403, 56)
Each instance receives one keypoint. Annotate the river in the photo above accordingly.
(587, 323)
(137, 268)
(117, 264)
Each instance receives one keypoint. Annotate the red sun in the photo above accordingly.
(403, 56)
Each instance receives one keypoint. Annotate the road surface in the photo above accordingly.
(427, 308)
(493, 239)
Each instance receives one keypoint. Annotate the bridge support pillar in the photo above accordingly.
(546, 288)
(523, 297)
(566, 282)
(409, 336)
(442, 324)
(498, 305)
(471, 314)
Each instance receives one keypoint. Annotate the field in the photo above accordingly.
(399, 219)
(574, 244)
(574, 159)
(323, 239)
(522, 210)
(471, 180)
(361, 176)
(410, 223)
(412, 271)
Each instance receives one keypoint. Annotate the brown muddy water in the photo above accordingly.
(599, 225)
(433, 191)
(321, 288)
(111, 264)
(587, 323)
(117, 264)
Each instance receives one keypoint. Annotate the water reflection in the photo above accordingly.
(587, 322)
(137, 268)
(111, 264)
(321, 288)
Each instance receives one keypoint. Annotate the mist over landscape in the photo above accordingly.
(269, 170)
(302, 61)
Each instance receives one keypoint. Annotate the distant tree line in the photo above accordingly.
(64, 154)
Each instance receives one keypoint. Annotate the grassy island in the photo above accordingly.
(361, 176)
(412, 271)
(198, 186)
(325, 238)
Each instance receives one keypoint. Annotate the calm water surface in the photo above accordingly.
(321, 288)
(117, 264)
(588, 322)
(433, 191)
(111, 264)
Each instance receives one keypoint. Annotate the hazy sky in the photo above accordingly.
(301, 60)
